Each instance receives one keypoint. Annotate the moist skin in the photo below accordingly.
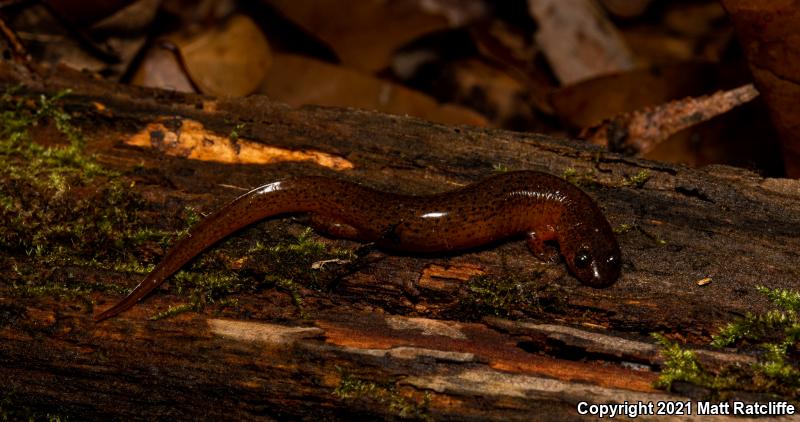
(536, 205)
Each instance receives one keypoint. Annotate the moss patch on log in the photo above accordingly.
(352, 388)
(60, 208)
(772, 337)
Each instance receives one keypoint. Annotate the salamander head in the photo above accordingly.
(593, 255)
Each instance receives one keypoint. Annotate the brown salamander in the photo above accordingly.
(537, 205)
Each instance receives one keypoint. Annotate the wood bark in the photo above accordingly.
(370, 345)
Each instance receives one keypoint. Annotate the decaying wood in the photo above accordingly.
(401, 354)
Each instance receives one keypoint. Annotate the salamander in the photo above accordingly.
(536, 205)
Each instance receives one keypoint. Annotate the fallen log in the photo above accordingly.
(348, 331)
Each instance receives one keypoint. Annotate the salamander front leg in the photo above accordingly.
(542, 250)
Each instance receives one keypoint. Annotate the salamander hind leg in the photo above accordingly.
(542, 250)
(333, 227)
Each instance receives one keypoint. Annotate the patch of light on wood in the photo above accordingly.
(260, 332)
(194, 142)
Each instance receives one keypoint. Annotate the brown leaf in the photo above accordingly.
(63, 34)
(626, 8)
(770, 34)
(494, 92)
(686, 32)
(161, 68)
(363, 33)
(512, 50)
(298, 80)
(231, 60)
(590, 102)
(578, 39)
(723, 140)
(83, 12)
(655, 46)
(694, 19)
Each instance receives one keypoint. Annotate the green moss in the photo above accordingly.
(623, 228)
(286, 265)
(205, 284)
(781, 324)
(234, 135)
(294, 261)
(774, 338)
(294, 290)
(14, 407)
(291, 265)
(752, 327)
(173, 310)
(787, 299)
(571, 175)
(679, 364)
(500, 168)
(59, 209)
(190, 217)
(17, 118)
(774, 365)
(131, 266)
(508, 293)
(353, 388)
(682, 365)
(585, 179)
(50, 289)
(226, 302)
(775, 334)
(30, 280)
(637, 180)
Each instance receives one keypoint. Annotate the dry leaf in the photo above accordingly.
(696, 20)
(363, 33)
(590, 102)
(228, 61)
(298, 80)
(654, 46)
(71, 33)
(578, 39)
(723, 140)
(769, 31)
(626, 8)
(161, 68)
(83, 12)
(686, 32)
(515, 54)
(491, 91)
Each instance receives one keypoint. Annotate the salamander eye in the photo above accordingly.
(613, 261)
(582, 259)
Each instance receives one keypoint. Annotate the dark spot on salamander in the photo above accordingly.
(390, 235)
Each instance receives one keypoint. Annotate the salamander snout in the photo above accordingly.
(601, 271)
(597, 263)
